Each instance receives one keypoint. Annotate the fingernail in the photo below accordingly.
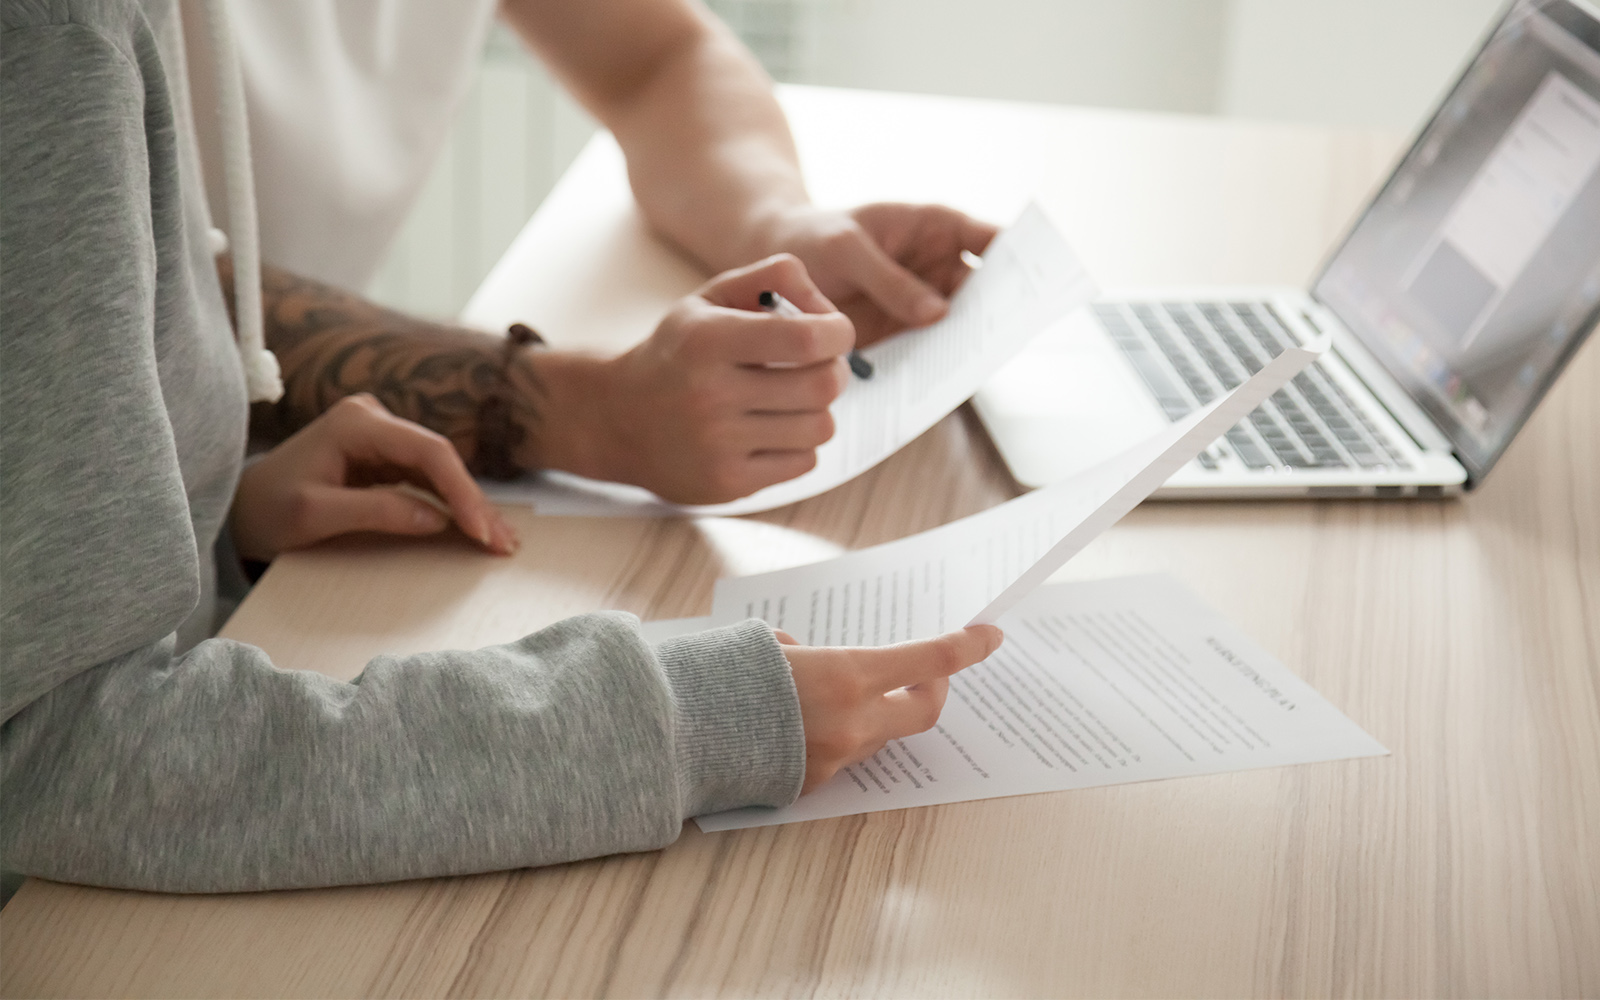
(506, 540)
(996, 636)
(930, 309)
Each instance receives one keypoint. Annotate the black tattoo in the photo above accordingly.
(332, 344)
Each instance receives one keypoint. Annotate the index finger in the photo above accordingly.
(758, 338)
(911, 663)
(395, 441)
(783, 273)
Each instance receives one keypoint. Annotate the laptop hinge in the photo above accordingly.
(1383, 386)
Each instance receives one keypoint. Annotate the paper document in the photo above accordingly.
(1030, 279)
(1098, 683)
(973, 570)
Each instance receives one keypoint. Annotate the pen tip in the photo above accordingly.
(768, 300)
(859, 366)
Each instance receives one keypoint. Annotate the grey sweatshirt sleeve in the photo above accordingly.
(213, 771)
(128, 761)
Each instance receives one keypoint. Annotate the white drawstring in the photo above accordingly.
(261, 373)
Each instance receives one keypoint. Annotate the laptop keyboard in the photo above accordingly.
(1189, 353)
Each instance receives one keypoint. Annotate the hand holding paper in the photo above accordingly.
(854, 701)
(1098, 683)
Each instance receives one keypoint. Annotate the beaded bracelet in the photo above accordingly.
(498, 434)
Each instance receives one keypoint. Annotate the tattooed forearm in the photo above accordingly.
(333, 344)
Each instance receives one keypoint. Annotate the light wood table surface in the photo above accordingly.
(1465, 635)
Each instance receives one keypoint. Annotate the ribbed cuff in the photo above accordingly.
(739, 739)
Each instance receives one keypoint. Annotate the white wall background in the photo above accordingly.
(1364, 63)
(1380, 63)
(1164, 54)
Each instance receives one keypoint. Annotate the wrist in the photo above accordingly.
(739, 738)
(565, 416)
(767, 229)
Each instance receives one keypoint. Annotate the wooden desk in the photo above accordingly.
(1464, 635)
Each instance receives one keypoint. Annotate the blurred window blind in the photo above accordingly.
(770, 28)
(515, 134)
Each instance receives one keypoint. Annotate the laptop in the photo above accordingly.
(1454, 302)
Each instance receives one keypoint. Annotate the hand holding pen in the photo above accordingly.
(726, 397)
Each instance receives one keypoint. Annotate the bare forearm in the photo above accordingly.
(710, 155)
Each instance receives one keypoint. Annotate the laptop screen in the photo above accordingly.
(1475, 273)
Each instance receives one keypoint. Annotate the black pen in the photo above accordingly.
(774, 303)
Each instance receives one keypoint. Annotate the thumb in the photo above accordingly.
(898, 292)
(337, 510)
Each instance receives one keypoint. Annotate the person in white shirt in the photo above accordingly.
(349, 104)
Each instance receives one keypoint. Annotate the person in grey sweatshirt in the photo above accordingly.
(138, 752)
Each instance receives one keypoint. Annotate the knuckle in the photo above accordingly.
(837, 334)
(300, 512)
(786, 263)
(804, 339)
(680, 319)
(437, 444)
(838, 378)
(946, 659)
(684, 330)
(825, 386)
(822, 427)
(841, 239)
(360, 404)
(395, 517)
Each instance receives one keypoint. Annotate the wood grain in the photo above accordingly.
(1464, 634)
